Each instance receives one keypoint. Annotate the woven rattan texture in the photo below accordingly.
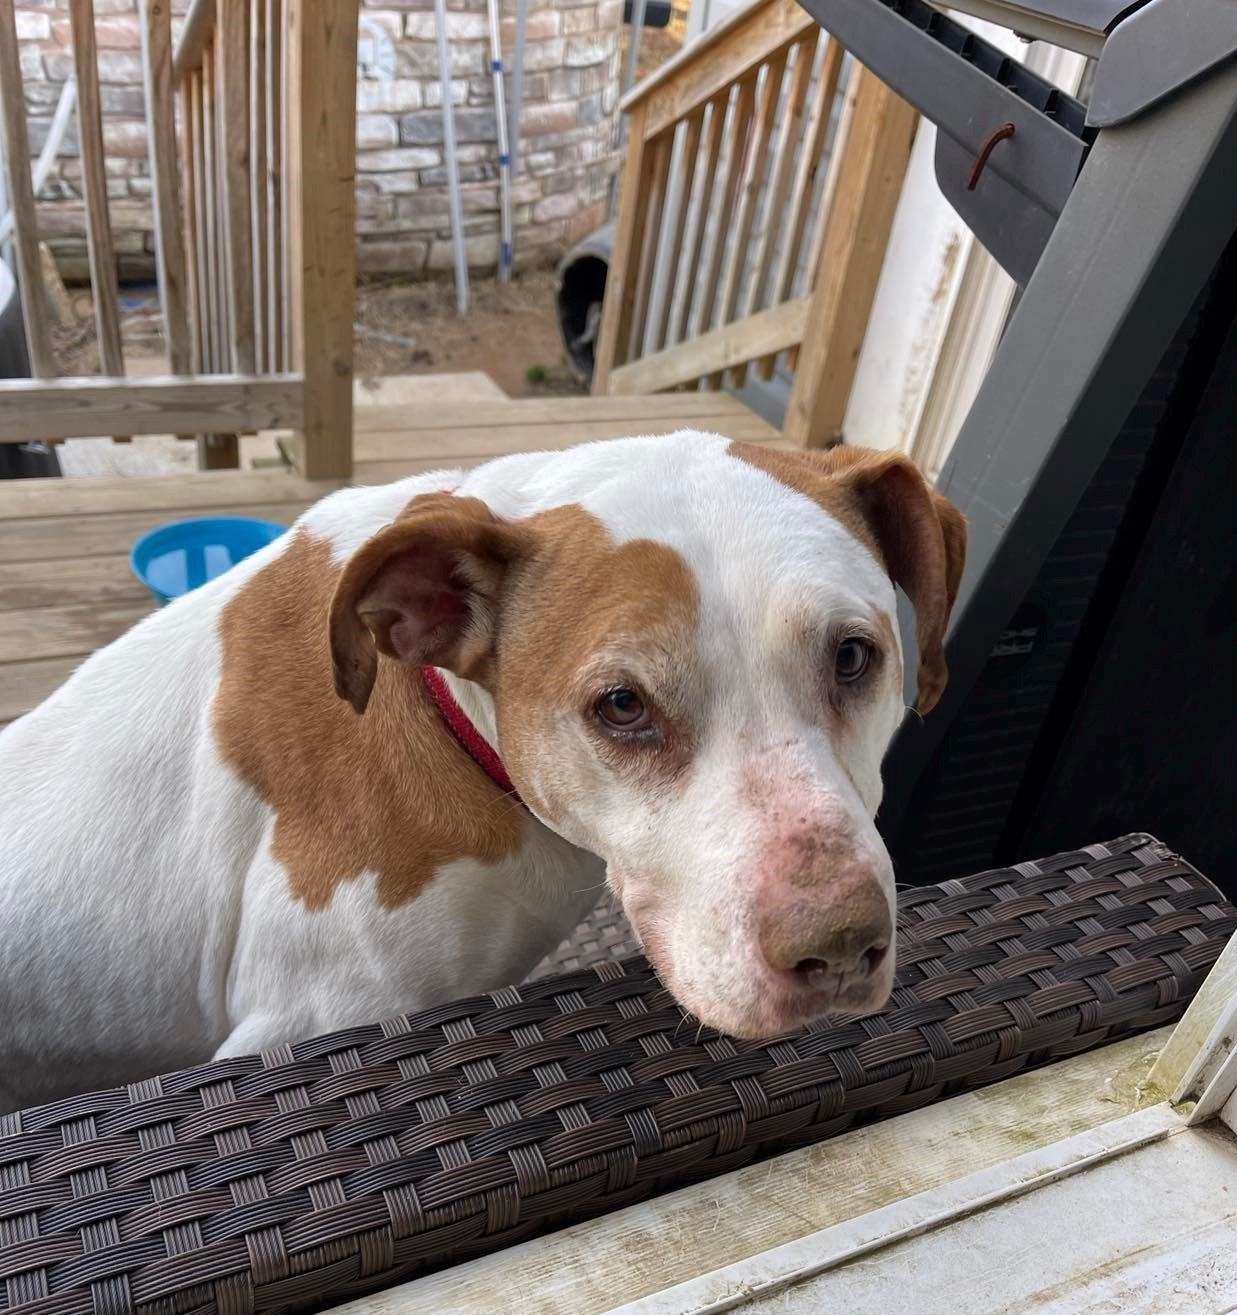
(604, 935)
(335, 1166)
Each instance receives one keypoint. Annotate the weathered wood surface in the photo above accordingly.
(89, 408)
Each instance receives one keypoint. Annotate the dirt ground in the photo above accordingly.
(510, 332)
(402, 326)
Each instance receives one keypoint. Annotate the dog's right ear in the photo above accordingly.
(424, 591)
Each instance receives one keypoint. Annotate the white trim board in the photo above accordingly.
(1107, 1221)
(751, 1281)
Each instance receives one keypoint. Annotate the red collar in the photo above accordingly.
(467, 736)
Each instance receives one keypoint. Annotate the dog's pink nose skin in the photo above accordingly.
(837, 937)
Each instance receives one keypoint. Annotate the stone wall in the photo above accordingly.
(567, 146)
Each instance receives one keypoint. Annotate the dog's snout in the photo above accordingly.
(842, 936)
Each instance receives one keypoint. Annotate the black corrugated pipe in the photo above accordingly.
(580, 289)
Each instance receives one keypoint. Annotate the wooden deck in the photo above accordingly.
(65, 583)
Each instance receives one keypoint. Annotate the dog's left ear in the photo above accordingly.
(922, 537)
(424, 591)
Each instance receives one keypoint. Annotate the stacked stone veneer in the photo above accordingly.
(567, 147)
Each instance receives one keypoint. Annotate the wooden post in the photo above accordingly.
(620, 296)
(21, 198)
(322, 45)
(870, 174)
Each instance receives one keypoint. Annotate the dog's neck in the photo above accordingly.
(477, 704)
(468, 712)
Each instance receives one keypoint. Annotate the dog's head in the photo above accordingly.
(694, 660)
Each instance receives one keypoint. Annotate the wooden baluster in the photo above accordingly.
(223, 274)
(740, 143)
(780, 172)
(210, 210)
(273, 184)
(819, 224)
(815, 132)
(647, 268)
(189, 227)
(620, 295)
(672, 275)
(94, 188)
(753, 179)
(870, 173)
(700, 219)
(156, 25)
(286, 180)
(257, 177)
(218, 451)
(21, 198)
(204, 309)
(232, 47)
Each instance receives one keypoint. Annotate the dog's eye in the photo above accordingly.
(853, 658)
(623, 710)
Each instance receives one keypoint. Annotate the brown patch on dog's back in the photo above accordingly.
(389, 792)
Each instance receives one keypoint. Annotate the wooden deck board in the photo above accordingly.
(70, 631)
(65, 584)
(51, 538)
(105, 578)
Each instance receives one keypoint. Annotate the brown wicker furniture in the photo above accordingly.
(342, 1164)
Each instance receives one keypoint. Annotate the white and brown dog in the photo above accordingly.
(277, 807)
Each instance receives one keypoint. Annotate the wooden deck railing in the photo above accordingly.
(253, 212)
(731, 246)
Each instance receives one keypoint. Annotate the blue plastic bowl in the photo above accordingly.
(177, 558)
